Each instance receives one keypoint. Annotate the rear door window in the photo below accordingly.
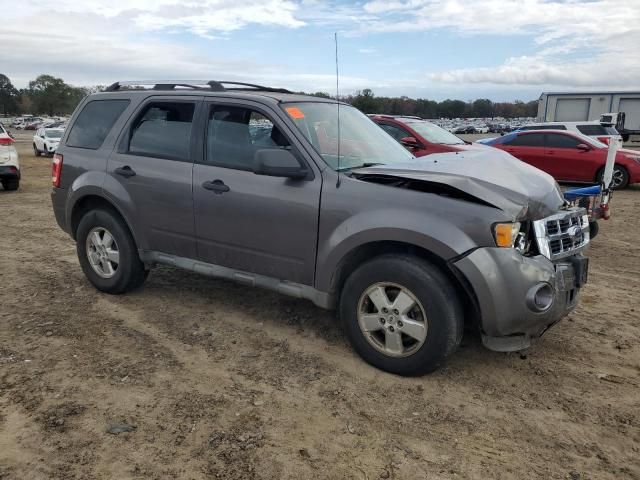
(163, 130)
(95, 122)
(557, 140)
(528, 140)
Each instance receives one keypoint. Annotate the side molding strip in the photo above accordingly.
(321, 299)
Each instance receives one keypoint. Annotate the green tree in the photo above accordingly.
(52, 95)
(8, 96)
(365, 101)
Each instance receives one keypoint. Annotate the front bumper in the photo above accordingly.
(505, 284)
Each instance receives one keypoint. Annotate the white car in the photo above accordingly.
(595, 129)
(46, 140)
(9, 162)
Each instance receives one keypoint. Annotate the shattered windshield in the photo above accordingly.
(362, 142)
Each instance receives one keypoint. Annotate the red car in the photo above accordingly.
(421, 137)
(569, 157)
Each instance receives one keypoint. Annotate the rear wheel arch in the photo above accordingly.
(91, 202)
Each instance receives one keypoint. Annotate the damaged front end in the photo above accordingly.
(531, 277)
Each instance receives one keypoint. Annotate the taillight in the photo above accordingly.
(6, 141)
(56, 170)
(604, 140)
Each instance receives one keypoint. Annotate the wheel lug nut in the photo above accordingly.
(399, 323)
(391, 329)
(396, 311)
(385, 309)
(382, 321)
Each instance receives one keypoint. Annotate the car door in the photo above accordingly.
(248, 222)
(566, 160)
(154, 165)
(528, 147)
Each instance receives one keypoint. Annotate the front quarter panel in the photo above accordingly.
(359, 212)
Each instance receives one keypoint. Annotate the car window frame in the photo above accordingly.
(276, 120)
(127, 131)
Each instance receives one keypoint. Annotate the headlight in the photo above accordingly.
(506, 234)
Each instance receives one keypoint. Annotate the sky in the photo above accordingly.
(436, 49)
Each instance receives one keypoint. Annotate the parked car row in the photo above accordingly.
(561, 149)
(34, 123)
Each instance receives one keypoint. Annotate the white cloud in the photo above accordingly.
(581, 43)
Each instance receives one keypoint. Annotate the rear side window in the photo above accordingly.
(95, 122)
(163, 130)
(528, 140)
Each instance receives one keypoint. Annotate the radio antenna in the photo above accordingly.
(335, 37)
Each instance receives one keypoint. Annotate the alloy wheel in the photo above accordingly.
(392, 319)
(102, 252)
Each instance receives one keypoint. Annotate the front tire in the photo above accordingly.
(108, 254)
(401, 314)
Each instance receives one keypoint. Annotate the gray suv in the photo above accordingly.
(308, 197)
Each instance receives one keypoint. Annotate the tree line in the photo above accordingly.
(52, 96)
(367, 102)
(45, 95)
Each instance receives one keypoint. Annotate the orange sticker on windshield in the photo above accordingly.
(295, 112)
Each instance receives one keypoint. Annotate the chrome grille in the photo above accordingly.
(563, 234)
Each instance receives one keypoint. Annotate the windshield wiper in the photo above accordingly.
(364, 165)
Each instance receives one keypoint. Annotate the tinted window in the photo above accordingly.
(528, 140)
(395, 132)
(163, 130)
(95, 122)
(556, 140)
(593, 130)
(235, 133)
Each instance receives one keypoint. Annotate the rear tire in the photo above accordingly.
(11, 185)
(436, 312)
(36, 152)
(128, 273)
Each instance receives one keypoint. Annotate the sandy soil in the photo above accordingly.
(217, 381)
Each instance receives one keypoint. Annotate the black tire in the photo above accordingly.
(619, 169)
(431, 288)
(130, 273)
(36, 152)
(10, 185)
(625, 137)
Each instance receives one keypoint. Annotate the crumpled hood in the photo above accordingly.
(491, 175)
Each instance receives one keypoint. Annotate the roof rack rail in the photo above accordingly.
(214, 85)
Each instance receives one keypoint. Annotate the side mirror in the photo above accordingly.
(276, 162)
(410, 142)
(583, 146)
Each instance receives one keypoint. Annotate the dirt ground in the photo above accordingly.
(214, 380)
